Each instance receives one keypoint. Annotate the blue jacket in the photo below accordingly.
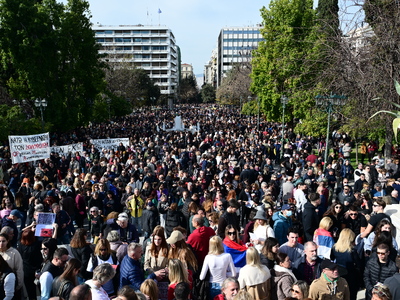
(131, 273)
(281, 227)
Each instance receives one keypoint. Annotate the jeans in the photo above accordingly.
(215, 289)
(137, 221)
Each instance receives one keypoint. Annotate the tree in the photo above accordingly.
(48, 50)
(207, 93)
(132, 84)
(188, 91)
(235, 85)
(281, 64)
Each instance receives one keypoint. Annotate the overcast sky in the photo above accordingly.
(195, 23)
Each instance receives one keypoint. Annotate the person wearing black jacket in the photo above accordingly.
(150, 219)
(174, 218)
(310, 216)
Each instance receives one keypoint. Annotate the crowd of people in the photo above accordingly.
(233, 211)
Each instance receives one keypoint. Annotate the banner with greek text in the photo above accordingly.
(109, 143)
(64, 150)
(25, 148)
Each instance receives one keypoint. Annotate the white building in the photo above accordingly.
(186, 70)
(358, 38)
(210, 69)
(235, 45)
(151, 48)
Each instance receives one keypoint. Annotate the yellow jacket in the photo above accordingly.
(135, 205)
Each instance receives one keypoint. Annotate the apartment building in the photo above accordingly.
(152, 48)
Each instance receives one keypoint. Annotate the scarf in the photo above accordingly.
(279, 268)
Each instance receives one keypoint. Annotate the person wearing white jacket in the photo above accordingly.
(254, 277)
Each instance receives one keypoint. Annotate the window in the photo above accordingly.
(145, 48)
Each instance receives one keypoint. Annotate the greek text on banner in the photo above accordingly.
(25, 148)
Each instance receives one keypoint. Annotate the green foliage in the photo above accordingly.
(207, 93)
(13, 122)
(48, 50)
(188, 91)
(282, 63)
(250, 108)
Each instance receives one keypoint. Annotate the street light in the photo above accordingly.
(328, 102)
(284, 101)
(41, 104)
(153, 100)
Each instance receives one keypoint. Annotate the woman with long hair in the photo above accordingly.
(283, 277)
(29, 248)
(261, 230)
(14, 261)
(219, 264)
(348, 260)
(81, 250)
(177, 273)
(323, 237)
(373, 239)
(336, 213)
(103, 254)
(156, 256)
(254, 276)
(300, 290)
(234, 246)
(269, 252)
(63, 284)
(149, 289)
(180, 250)
(8, 281)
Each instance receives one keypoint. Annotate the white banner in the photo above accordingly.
(64, 150)
(109, 143)
(26, 148)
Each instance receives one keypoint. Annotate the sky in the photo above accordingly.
(195, 23)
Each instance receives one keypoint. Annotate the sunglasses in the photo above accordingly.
(44, 249)
(231, 233)
(338, 207)
(353, 214)
(93, 210)
(380, 253)
(295, 291)
(375, 205)
(102, 250)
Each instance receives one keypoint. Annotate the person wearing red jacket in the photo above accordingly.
(199, 239)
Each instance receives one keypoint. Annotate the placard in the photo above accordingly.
(109, 143)
(64, 150)
(25, 148)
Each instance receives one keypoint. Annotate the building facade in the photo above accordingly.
(235, 45)
(210, 69)
(152, 48)
(186, 70)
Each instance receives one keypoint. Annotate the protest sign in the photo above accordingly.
(109, 143)
(44, 224)
(25, 148)
(64, 150)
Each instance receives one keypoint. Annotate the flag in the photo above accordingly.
(238, 252)
(159, 11)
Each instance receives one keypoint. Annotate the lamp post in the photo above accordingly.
(284, 101)
(153, 100)
(328, 102)
(41, 104)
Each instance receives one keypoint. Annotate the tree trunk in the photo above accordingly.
(388, 142)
